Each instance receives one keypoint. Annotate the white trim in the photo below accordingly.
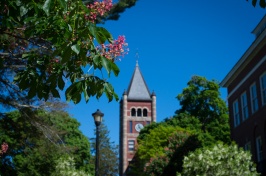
(259, 148)
(242, 105)
(244, 57)
(236, 113)
(252, 98)
(261, 89)
(247, 76)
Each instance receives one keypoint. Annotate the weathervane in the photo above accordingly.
(137, 57)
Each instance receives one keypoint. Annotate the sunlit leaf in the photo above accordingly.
(75, 48)
(46, 6)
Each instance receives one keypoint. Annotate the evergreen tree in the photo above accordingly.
(108, 154)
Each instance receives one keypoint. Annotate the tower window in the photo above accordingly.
(130, 127)
(145, 112)
(133, 112)
(139, 112)
(131, 145)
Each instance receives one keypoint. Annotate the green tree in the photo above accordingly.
(201, 99)
(219, 160)
(44, 43)
(180, 143)
(153, 147)
(108, 155)
(35, 145)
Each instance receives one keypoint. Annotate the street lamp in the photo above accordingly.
(98, 116)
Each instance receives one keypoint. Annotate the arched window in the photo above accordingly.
(133, 112)
(139, 112)
(145, 112)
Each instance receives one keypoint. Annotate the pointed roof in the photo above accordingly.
(138, 89)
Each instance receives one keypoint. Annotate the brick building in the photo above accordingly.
(137, 109)
(246, 87)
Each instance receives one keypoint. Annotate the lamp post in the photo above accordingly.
(98, 115)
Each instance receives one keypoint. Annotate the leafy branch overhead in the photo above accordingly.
(262, 3)
(56, 45)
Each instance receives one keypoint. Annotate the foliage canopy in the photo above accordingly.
(34, 146)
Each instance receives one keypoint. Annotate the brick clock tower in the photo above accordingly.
(137, 109)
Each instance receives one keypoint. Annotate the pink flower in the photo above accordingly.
(98, 9)
(4, 148)
(115, 49)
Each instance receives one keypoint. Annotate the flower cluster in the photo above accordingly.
(98, 9)
(115, 49)
(4, 148)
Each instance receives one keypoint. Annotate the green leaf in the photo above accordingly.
(23, 10)
(97, 60)
(262, 3)
(106, 63)
(75, 48)
(46, 6)
(55, 93)
(254, 2)
(115, 68)
(100, 37)
(61, 82)
(32, 92)
(25, 56)
(66, 55)
(107, 34)
(69, 28)
(73, 92)
(63, 4)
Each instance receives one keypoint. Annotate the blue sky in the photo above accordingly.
(174, 40)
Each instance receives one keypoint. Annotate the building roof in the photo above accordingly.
(260, 33)
(138, 89)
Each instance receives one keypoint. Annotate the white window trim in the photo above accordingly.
(236, 114)
(252, 98)
(261, 89)
(243, 107)
(259, 148)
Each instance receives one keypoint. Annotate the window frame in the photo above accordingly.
(139, 112)
(263, 89)
(244, 107)
(131, 145)
(254, 99)
(236, 113)
(145, 112)
(259, 149)
(247, 146)
(130, 126)
(133, 112)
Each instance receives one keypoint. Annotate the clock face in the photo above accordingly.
(138, 127)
